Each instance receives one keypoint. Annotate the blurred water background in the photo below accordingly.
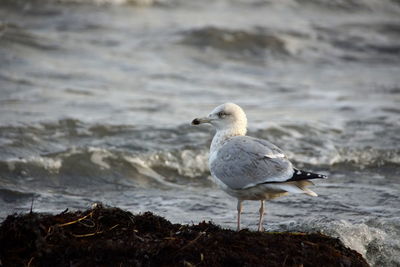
(96, 98)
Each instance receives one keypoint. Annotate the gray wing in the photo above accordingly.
(245, 161)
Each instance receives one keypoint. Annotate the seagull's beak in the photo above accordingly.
(198, 121)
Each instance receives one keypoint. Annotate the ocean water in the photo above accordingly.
(97, 96)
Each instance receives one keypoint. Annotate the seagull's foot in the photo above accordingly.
(261, 228)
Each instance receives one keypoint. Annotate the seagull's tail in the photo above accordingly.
(298, 182)
(303, 186)
(298, 187)
(309, 192)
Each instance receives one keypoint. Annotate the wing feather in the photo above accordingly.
(245, 161)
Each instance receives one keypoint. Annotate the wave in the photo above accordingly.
(93, 166)
(10, 196)
(357, 146)
(240, 44)
(375, 239)
(12, 34)
(364, 42)
(377, 42)
(177, 155)
(98, 167)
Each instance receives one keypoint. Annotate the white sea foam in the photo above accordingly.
(52, 165)
(375, 239)
(99, 155)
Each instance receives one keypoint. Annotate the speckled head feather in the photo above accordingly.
(229, 117)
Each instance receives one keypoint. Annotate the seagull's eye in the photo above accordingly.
(221, 114)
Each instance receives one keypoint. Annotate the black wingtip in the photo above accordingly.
(299, 175)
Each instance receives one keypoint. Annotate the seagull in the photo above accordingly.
(249, 168)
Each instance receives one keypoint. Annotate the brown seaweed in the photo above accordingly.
(113, 237)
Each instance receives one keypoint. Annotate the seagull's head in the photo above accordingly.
(228, 116)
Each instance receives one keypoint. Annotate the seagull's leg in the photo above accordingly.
(239, 210)
(260, 222)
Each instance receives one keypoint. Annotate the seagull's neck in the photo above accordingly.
(222, 135)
